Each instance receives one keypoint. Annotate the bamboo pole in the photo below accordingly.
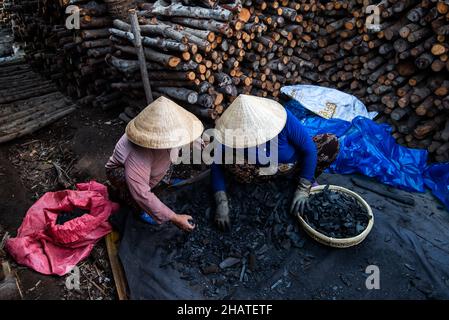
(140, 54)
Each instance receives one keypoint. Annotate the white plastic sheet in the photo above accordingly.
(327, 102)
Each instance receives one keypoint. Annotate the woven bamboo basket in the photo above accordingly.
(334, 242)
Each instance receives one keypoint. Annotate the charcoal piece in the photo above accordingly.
(359, 228)
(277, 218)
(229, 262)
(211, 268)
(409, 267)
(262, 250)
(207, 213)
(296, 240)
(336, 214)
(277, 230)
(345, 280)
(252, 261)
(64, 217)
(286, 244)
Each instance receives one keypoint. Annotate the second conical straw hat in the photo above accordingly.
(164, 125)
(250, 121)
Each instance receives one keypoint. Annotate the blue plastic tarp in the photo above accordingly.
(436, 178)
(368, 148)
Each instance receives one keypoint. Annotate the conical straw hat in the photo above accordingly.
(250, 121)
(164, 125)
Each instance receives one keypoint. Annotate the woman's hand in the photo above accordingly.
(222, 213)
(301, 197)
(182, 222)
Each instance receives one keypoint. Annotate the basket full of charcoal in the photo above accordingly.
(336, 216)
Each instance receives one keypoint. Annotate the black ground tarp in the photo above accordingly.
(409, 245)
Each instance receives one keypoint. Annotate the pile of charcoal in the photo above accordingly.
(336, 214)
(262, 234)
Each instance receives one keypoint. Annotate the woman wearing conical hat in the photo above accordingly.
(264, 130)
(141, 158)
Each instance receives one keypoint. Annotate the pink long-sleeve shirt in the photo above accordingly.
(144, 169)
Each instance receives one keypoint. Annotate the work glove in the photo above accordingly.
(301, 197)
(222, 214)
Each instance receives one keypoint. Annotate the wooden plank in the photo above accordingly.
(112, 243)
(9, 286)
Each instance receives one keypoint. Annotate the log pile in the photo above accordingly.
(4, 17)
(204, 53)
(408, 82)
(5, 43)
(28, 102)
(185, 61)
(5, 33)
(72, 58)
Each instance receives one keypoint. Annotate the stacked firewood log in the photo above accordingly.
(6, 48)
(400, 71)
(185, 61)
(204, 53)
(74, 58)
(410, 75)
(4, 17)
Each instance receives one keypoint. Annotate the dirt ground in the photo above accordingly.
(79, 145)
